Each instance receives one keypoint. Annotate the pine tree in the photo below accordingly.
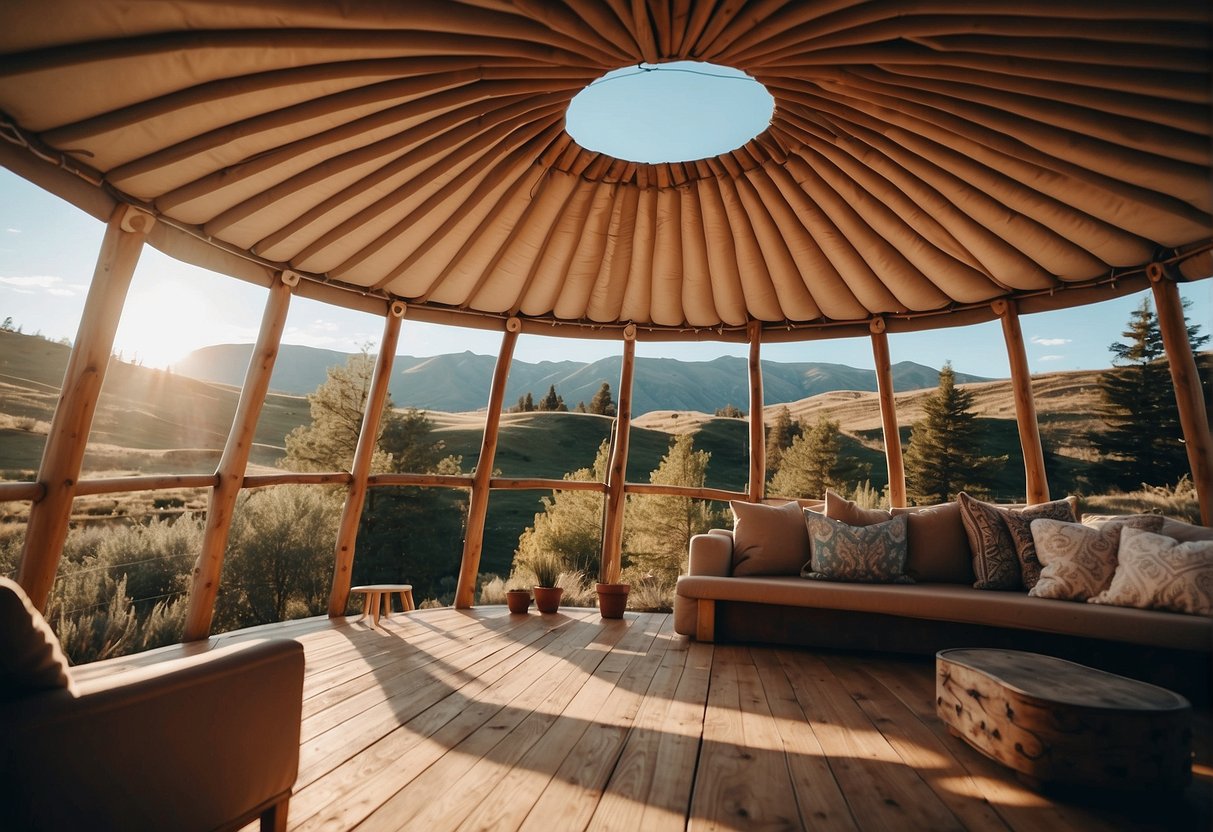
(337, 408)
(664, 525)
(779, 438)
(602, 403)
(550, 402)
(730, 411)
(580, 408)
(943, 457)
(807, 467)
(528, 403)
(570, 524)
(1144, 440)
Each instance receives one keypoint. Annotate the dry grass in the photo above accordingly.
(1178, 502)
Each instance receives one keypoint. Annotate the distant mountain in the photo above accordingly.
(460, 381)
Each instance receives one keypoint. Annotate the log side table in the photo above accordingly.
(1054, 721)
(374, 593)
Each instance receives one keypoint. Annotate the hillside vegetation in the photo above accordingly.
(152, 421)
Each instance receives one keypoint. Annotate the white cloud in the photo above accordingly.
(1049, 342)
(41, 281)
(13, 230)
(1050, 358)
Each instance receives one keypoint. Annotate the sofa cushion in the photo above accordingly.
(996, 556)
(873, 553)
(939, 547)
(768, 540)
(949, 602)
(30, 657)
(1079, 560)
(1175, 529)
(847, 511)
(1160, 573)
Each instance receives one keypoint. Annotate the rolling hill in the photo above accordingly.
(458, 382)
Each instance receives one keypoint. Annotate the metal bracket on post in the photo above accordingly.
(289, 277)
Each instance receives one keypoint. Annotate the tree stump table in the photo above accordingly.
(1054, 721)
(373, 594)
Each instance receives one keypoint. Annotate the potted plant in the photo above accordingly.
(518, 600)
(612, 596)
(547, 569)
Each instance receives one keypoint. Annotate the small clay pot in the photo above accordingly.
(547, 598)
(613, 599)
(518, 600)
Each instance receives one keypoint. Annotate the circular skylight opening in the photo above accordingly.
(673, 112)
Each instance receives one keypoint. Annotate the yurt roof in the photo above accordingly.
(924, 158)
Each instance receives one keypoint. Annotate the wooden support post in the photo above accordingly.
(64, 451)
(230, 473)
(888, 414)
(1025, 406)
(611, 567)
(758, 435)
(1185, 376)
(473, 542)
(368, 440)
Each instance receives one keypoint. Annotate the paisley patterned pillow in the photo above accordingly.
(873, 554)
(1160, 573)
(996, 557)
(1080, 560)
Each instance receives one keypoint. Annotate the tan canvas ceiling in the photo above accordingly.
(923, 157)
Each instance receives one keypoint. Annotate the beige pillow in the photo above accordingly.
(1079, 560)
(939, 547)
(30, 657)
(1160, 573)
(995, 554)
(846, 511)
(768, 540)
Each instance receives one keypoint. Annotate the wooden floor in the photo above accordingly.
(445, 719)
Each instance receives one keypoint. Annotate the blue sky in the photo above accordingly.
(48, 249)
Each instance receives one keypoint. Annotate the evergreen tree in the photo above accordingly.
(602, 403)
(337, 407)
(780, 434)
(943, 456)
(662, 526)
(731, 411)
(1143, 443)
(550, 402)
(528, 403)
(580, 408)
(570, 524)
(807, 467)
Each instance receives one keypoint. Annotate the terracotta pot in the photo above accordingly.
(613, 599)
(547, 598)
(518, 600)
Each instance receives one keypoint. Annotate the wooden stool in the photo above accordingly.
(1054, 721)
(374, 592)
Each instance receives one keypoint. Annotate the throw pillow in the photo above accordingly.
(1079, 560)
(30, 657)
(939, 548)
(846, 511)
(768, 540)
(1160, 573)
(995, 554)
(865, 554)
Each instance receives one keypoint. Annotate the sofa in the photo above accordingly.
(773, 604)
(206, 741)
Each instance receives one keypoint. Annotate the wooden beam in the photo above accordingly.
(719, 494)
(1185, 377)
(73, 419)
(423, 480)
(888, 414)
(758, 435)
(368, 441)
(1025, 406)
(611, 565)
(705, 620)
(545, 483)
(230, 473)
(473, 542)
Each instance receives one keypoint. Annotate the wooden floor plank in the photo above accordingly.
(821, 802)
(881, 792)
(473, 719)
